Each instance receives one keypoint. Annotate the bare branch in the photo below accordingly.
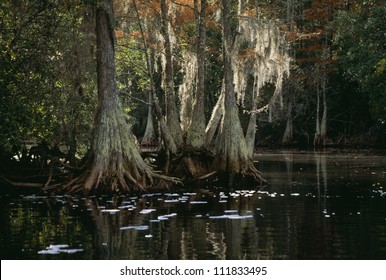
(182, 4)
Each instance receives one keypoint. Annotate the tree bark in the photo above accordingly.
(215, 118)
(171, 110)
(250, 135)
(196, 133)
(288, 133)
(317, 121)
(231, 152)
(149, 138)
(323, 123)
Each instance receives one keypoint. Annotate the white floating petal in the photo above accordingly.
(198, 202)
(135, 228)
(147, 211)
(111, 211)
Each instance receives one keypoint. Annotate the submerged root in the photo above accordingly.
(249, 170)
(237, 173)
(191, 166)
(249, 178)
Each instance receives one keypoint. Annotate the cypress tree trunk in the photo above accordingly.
(115, 164)
(196, 133)
(149, 138)
(317, 118)
(171, 109)
(288, 133)
(323, 123)
(250, 135)
(231, 152)
(215, 118)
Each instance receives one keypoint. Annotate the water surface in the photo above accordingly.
(317, 206)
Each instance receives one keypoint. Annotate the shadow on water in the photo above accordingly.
(317, 206)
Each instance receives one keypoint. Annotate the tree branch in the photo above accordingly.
(182, 4)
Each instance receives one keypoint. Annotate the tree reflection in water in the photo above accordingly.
(187, 235)
(317, 206)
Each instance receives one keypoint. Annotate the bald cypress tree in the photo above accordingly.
(115, 164)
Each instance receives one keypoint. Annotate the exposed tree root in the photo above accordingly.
(22, 184)
(200, 167)
(190, 166)
(125, 180)
(125, 183)
(207, 176)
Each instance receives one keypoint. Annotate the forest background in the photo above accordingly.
(292, 73)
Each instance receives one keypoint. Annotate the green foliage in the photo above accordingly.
(361, 50)
(22, 71)
(131, 67)
(132, 80)
(38, 72)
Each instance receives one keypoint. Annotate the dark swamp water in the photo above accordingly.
(317, 206)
